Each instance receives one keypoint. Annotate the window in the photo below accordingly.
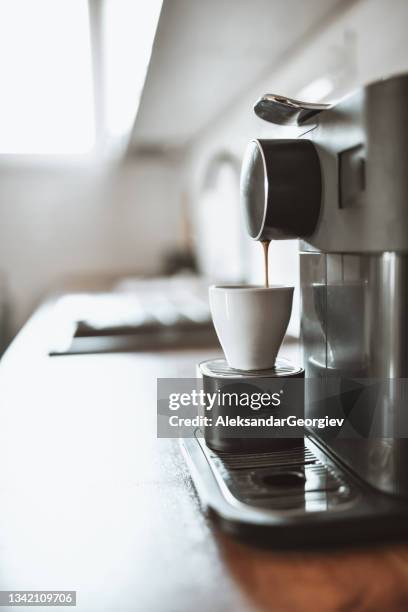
(51, 67)
(129, 27)
(46, 102)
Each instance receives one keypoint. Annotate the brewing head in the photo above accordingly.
(280, 189)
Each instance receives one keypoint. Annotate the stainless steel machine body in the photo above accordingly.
(354, 267)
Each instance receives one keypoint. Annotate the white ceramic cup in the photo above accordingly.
(251, 322)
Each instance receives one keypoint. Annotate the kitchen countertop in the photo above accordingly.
(92, 501)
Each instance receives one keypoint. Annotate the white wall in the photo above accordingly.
(64, 221)
(362, 44)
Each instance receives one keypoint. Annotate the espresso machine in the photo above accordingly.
(341, 188)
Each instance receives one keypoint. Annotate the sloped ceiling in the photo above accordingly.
(206, 53)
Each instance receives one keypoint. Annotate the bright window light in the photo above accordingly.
(129, 30)
(46, 102)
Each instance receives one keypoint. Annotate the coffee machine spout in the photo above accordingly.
(281, 189)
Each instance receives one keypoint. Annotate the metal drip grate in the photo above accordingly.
(293, 479)
(294, 456)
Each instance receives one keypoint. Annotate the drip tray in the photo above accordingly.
(294, 479)
(291, 498)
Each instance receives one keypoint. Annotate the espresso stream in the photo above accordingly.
(265, 245)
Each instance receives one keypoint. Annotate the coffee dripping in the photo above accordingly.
(265, 246)
(341, 187)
